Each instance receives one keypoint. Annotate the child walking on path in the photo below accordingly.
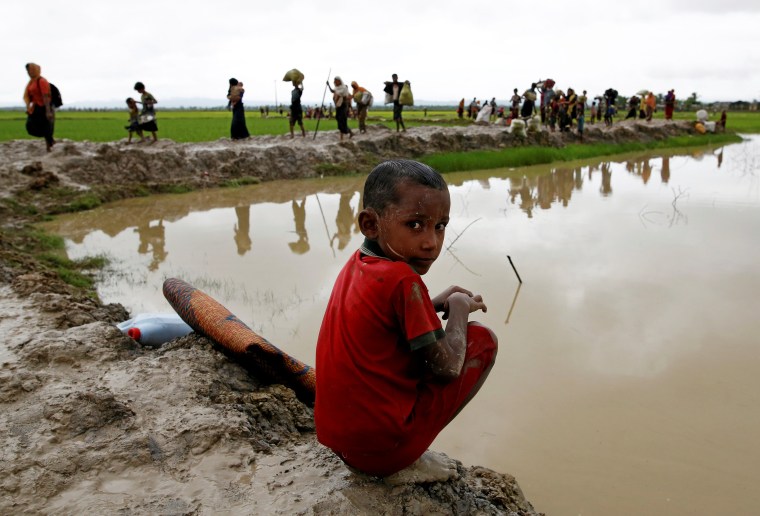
(134, 124)
(389, 378)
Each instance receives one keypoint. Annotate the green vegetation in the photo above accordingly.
(49, 252)
(195, 126)
(199, 126)
(535, 155)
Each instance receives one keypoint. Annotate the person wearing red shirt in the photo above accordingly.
(389, 378)
(40, 111)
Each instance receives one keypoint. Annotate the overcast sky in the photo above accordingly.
(95, 50)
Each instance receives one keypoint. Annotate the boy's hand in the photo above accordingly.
(455, 294)
(440, 300)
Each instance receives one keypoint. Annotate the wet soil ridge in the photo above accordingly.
(93, 423)
(86, 164)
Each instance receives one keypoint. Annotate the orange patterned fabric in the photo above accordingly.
(207, 317)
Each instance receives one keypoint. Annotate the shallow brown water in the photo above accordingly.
(627, 379)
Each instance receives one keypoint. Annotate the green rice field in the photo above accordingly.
(198, 126)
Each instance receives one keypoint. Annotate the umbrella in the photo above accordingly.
(642, 92)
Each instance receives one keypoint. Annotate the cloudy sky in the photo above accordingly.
(95, 50)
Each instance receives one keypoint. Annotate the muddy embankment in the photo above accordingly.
(108, 165)
(91, 422)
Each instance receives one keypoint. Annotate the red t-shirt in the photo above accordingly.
(37, 88)
(379, 313)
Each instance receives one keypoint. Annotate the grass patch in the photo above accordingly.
(74, 272)
(19, 208)
(241, 181)
(84, 202)
(535, 155)
(174, 189)
(47, 242)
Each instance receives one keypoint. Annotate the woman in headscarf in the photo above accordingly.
(40, 111)
(361, 97)
(238, 129)
(342, 100)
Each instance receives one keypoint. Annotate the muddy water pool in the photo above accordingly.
(628, 376)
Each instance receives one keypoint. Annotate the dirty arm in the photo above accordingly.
(445, 358)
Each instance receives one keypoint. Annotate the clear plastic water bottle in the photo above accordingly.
(154, 329)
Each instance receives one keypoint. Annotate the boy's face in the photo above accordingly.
(413, 229)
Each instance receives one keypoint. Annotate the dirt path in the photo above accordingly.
(93, 423)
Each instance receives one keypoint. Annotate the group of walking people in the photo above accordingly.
(557, 109)
(41, 98)
(144, 119)
(341, 96)
(560, 110)
(363, 99)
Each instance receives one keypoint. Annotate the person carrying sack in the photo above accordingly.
(393, 90)
(40, 111)
(363, 99)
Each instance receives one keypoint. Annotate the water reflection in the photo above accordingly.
(623, 354)
(552, 187)
(345, 220)
(300, 246)
(243, 229)
(152, 239)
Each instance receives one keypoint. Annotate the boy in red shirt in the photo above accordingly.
(389, 378)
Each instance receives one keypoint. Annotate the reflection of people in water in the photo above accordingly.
(242, 229)
(646, 171)
(520, 187)
(720, 156)
(299, 216)
(152, 238)
(665, 171)
(344, 220)
(606, 188)
(578, 179)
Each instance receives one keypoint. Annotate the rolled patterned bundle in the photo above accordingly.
(208, 317)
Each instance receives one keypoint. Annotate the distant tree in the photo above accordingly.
(692, 101)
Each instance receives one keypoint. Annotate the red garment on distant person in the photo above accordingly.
(37, 88)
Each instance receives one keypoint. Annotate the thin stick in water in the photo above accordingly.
(514, 269)
(514, 301)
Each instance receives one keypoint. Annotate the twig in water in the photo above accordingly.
(462, 233)
(462, 263)
(514, 269)
(325, 221)
(514, 300)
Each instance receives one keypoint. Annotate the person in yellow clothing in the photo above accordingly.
(39, 108)
(651, 105)
(362, 99)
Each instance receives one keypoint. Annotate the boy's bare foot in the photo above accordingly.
(431, 467)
